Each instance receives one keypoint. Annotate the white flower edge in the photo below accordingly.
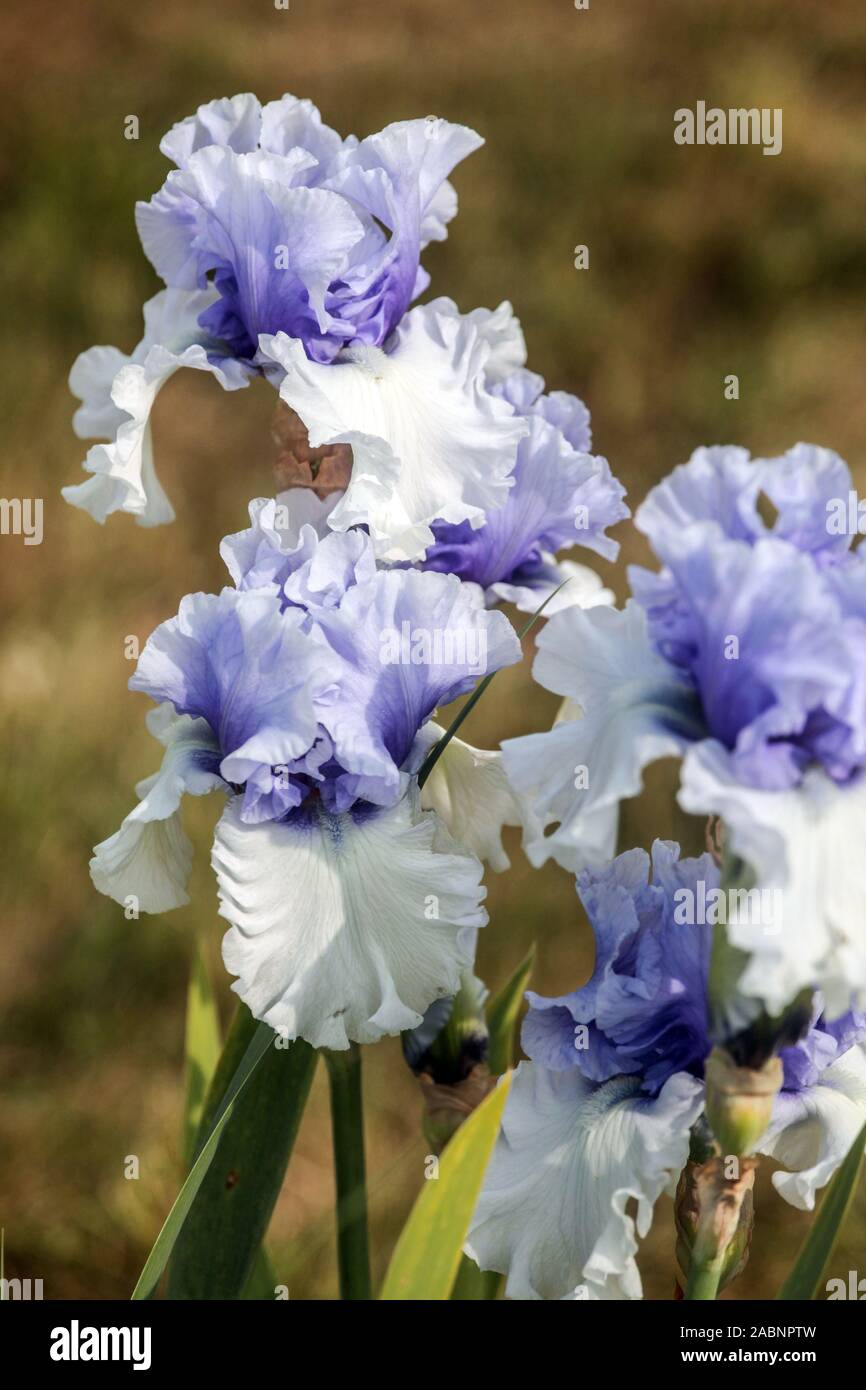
(345, 929)
(118, 393)
(570, 1156)
(806, 847)
(429, 443)
(632, 707)
(469, 791)
(148, 859)
(812, 1130)
(573, 586)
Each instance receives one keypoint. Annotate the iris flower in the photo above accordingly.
(292, 253)
(305, 696)
(597, 1124)
(746, 657)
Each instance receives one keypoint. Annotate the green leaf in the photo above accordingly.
(426, 1258)
(263, 1280)
(215, 1254)
(465, 710)
(203, 1046)
(502, 1015)
(805, 1279)
(260, 1043)
(474, 1285)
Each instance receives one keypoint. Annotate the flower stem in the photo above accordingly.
(347, 1125)
(718, 1210)
(705, 1276)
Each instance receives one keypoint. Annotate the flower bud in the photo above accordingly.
(739, 1101)
(446, 1107)
(448, 1054)
(723, 1207)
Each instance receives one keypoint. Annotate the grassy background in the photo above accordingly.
(703, 262)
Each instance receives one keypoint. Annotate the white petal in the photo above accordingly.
(584, 589)
(124, 478)
(233, 121)
(149, 857)
(428, 442)
(91, 379)
(553, 1210)
(345, 929)
(469, 791)
(500, 329)
(806, 848)
(634, 711)
(813, 1130)
(291, 123)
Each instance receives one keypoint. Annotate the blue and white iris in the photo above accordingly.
(290, 252)
(746, 657)
(305, 695)
(600, 1117)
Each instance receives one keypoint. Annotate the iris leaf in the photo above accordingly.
(203, 1046)
(805, 1279)
(427, 1256)
(216, 1253)
(502, 1014)
(158, 1258)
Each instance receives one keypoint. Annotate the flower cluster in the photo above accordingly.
(349, 855)
(306, 693)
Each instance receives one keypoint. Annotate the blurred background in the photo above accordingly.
(703, 262)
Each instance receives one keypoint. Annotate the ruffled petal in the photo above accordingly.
(803, 484)
(812, 1131)
(283, 539)
(719, 485)
(273, 245)
(149, 857)
(571, 1156)
(781, 674)
(231, 121)
(291, 123)
(556, 585)
(250, 669)
(805, 847)
(346, 929)
(118, 394)
(559, 499)
(470, 793)
(399, 178)
(568, 414)
(644, 1009)
(635, 710)
(500, 329)
(428, 441)
(411, 641)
